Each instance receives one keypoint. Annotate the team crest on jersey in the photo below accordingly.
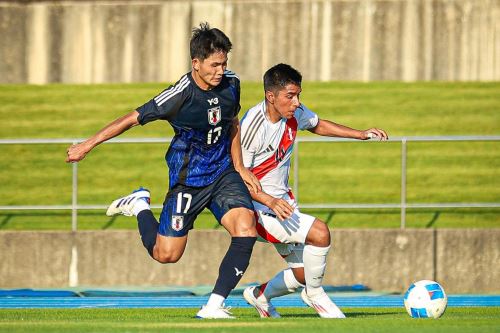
(177, 222)
(214, 115)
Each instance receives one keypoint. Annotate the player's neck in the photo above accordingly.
(200, 82)
(271, 113)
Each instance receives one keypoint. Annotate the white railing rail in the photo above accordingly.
(403, 205)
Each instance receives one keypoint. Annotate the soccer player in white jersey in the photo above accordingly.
(268, 132)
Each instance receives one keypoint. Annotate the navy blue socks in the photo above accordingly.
(148, 228)
(234, 265)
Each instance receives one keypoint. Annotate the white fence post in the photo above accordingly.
(403, 183)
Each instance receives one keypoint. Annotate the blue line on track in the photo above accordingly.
(234, 301)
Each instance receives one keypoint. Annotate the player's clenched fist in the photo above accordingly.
(76, 152)
(374, 133)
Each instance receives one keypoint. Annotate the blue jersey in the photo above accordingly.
(202, 122)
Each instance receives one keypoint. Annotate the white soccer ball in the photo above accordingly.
(425, 299)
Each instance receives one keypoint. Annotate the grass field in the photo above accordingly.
(294, 320)
(363, 172)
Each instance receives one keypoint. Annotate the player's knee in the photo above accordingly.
(241, 223)
(247, 229)
(298, 274)
(319, 235)
(323, 235)
(166, 257)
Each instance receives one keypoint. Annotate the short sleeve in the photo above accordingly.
(250, 141)
(234, 85)
(248, 156)
(166, 104)
(306, 118)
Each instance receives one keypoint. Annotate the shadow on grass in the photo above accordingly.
(329, 217)
(110, 223)
(87, 220)
(5, 220)
(59, 220)
(432, 222)
(300, 315)
(368, 314)
(348, 314)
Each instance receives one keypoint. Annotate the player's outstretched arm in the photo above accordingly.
(328, 128)
(77, 152)
(248, 177)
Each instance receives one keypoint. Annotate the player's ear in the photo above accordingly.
(270, 96)
(195, 63)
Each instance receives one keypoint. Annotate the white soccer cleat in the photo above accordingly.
(264, 308)
(126, 204)
(214, 313)
(323, 305)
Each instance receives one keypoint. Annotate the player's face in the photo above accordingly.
(286, 101)
(208, 72)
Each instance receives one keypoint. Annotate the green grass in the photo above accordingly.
(364, 172)
(294, 320)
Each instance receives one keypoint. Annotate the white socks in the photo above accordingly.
(314, 268)
(215, 301)
(283, 283)
(139, 206)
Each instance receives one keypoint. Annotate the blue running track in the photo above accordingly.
(234, 301)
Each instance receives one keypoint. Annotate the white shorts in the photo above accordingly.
(287, 236)
(291, 253)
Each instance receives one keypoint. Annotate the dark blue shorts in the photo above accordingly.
(183, 203)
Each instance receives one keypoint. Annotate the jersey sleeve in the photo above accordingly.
(250, 141)
(306, 118)
(166, 104)
(234, 82)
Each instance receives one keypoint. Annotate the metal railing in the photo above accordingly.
(403, 205)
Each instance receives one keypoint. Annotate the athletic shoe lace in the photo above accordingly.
(226, 309)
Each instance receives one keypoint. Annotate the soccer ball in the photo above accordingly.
(425, 299)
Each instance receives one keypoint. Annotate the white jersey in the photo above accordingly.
(267, 147)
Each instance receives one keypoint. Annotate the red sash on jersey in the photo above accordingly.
(285, 144)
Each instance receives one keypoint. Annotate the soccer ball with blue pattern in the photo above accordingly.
(425, 299)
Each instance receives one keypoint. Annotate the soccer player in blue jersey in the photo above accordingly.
(205, 164)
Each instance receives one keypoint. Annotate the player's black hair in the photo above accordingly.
(206, 41)
(278, 76)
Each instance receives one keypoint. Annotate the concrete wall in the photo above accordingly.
(463, 260)
(144, 41)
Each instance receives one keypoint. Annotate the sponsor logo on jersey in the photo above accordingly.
(214, 115)
(213, 101)
(280, 153)
(177, 222)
